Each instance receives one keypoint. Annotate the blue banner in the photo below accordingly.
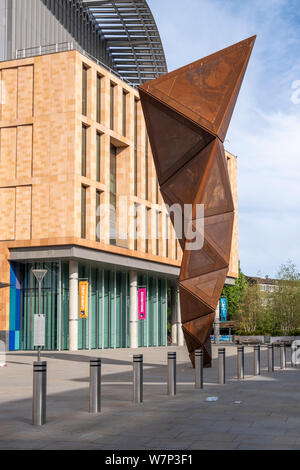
(223, 309)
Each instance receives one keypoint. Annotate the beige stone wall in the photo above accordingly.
(234, 258)
(125, 162)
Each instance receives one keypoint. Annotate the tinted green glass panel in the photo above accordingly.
(112, 309)
(29, 304)
(65, 306)
(93, 308)
(106, 309)
(99, 305)
(163, 304)
(83, 323)
(124, 310)
(118, 301)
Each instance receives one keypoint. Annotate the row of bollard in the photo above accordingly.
(256, 359)
(40, 377)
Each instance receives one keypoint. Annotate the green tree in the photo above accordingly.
(235, 294)
(251, 311)
(271, 313)
(284, 302)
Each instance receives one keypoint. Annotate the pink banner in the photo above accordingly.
(142, 304)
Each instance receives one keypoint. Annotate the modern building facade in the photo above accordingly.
(77, 183)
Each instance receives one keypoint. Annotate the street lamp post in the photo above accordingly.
(39, 275)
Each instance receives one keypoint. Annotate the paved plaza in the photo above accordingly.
(256, 413)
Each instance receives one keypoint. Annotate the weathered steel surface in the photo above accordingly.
(187, 114)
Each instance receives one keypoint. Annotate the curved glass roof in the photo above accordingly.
(131, 36)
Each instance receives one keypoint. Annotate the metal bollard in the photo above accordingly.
(256, 357)
(172, 373)
(282, 356)
(221, 366)
(39, 393)
(199, 368)
(95, 385)
(240, 362)
(270, 357)
(138, 378)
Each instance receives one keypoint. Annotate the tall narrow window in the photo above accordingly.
(83, 211)
(146, 167)
(156, 195)
(147, 229)
(124, 114)
(176, 249)
(157, 232)
(98, 111)
(167, 236)
(135, 147)
(113, 192)
(112, 106)
(84, 90)
(98, 194)
(83, 150)
(98, 156)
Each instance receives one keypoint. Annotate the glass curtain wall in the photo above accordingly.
(107, 325)
(153, 330)
(54, 304)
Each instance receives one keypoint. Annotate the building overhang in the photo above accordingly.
(105, 259)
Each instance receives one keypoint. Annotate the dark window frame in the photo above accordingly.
(83, 210)
(136, 146)
(84, 130)
(167, 236)
(136, 221)
(113, 188)
(147, 229)
(84, 89)
(157, 231)
(98, 101)
(124, 113)
(98, 219)
(98, 156)
(112, 105)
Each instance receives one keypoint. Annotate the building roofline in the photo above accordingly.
(132, 38)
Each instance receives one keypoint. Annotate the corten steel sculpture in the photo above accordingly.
(187, 115)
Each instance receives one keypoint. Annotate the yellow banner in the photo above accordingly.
(83, 299)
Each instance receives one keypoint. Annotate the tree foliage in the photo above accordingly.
(250, 311)
(235, 294)
(271, 313)
(284, 303)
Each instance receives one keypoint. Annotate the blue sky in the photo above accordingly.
(265, 129)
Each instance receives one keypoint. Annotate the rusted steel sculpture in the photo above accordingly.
(187, 114)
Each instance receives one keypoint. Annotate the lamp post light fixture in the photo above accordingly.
(39, 274)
